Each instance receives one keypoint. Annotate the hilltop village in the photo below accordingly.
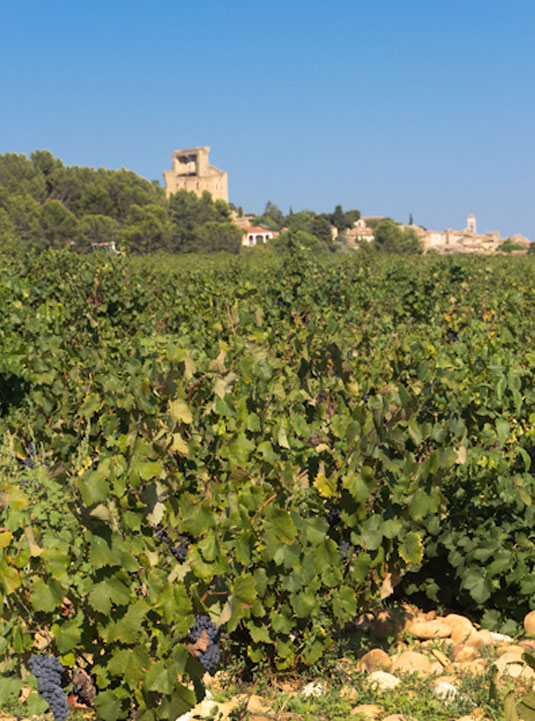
(467, 240)
(191, 171)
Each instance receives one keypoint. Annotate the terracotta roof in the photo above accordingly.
(252, 229)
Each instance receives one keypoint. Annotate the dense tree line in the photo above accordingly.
(314, 229)
(45, 204)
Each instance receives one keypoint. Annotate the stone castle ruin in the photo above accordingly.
(192, 172)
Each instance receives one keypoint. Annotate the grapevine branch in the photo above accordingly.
(271, 498)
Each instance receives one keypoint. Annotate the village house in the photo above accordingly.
(255, 235)
(252, 234)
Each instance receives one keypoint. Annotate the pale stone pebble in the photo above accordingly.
(204, 708)
(510, 649)
(223, 710)
(527, 644)
(529, 622)
(217, 682)
(476, 668)
(314, 688)
(458, 635)
(514, 667)
(507, 658)
(520, 671)
(461, 627)
(395, 717)
(289, 686)
(374, 659)
(463, 653)
(501, 637)
(444, 690)
(255, 704)
(383, 680)
(369, 710)
(411, 661)
(430, 629)
(480, 638)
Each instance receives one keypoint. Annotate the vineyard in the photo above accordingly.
(210, 457)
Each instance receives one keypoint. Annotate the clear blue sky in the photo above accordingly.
(390, 106)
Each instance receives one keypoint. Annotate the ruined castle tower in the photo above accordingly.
(191, 171)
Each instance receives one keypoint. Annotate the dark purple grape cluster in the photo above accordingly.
(203, 622)
(180, 550)
(48, 671)
(333, 517)
(347, 550)
(33, 458)
(211, 657)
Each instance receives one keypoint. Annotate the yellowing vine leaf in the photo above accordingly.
(412, 548)
(180, 411)
(5, 538)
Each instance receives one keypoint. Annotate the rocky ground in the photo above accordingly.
(407, 666)
(417, 666)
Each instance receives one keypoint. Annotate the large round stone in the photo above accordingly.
(430, 629)
(529, 622)
(461, 627)
(383, 680)
(374, 660)
(411, 661)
